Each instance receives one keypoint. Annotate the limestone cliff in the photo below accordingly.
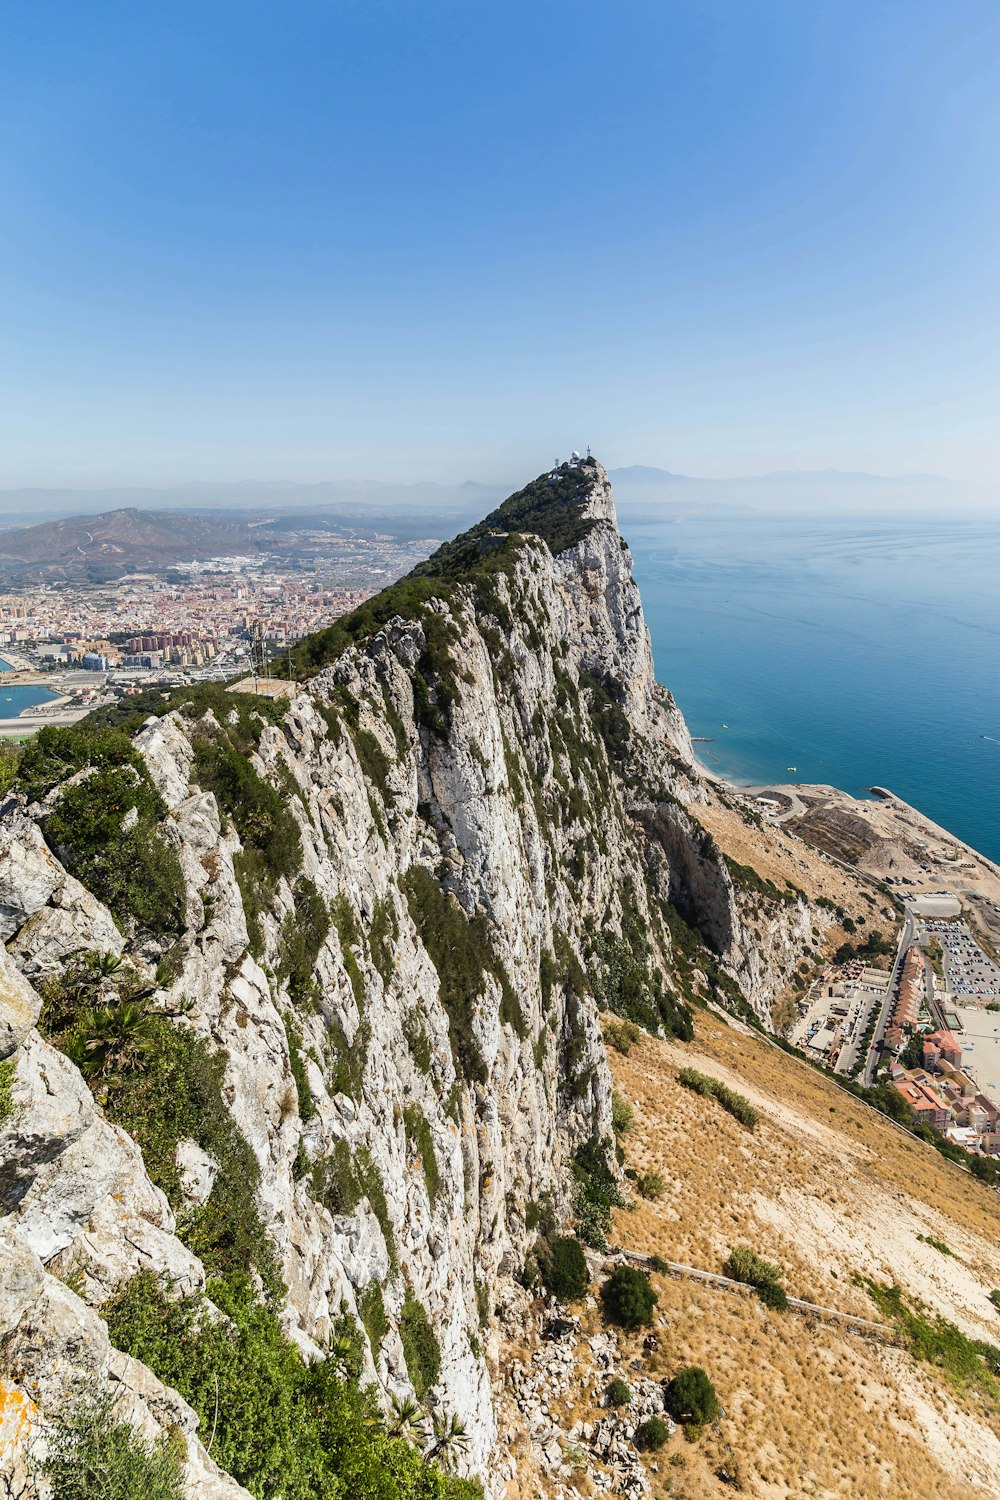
(481, 794)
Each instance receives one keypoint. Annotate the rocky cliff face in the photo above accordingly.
(482, 797)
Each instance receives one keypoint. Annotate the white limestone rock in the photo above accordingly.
(19, 1006)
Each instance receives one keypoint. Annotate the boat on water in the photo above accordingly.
(791, 768)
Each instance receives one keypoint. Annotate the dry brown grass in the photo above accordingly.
(826, 1188)
(777, 856)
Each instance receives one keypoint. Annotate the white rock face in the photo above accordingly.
(19, 1006)
(483, 777)
(197, 1171)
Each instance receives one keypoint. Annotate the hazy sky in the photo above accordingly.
(305, 238)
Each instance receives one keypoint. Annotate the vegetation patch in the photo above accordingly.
(651, 1434)
(303, 1093)
(278, 1425)
(744, 1264)
(371, 1306)
(629, 1298)
(418, 1039)
(939, 1245)
(627, 981)
(461, 950)
(622, 1114)
(622, 1035)
(105, 827)
(7, 1070)
(746, 878)
(90, 1451)
(597, 1192)
(741, 1109)
(690, 1397)
(272, 847)
(618, 1393)
(421, 1349)
(343, 1178)
(303, 933)
(563, 1268)
(419, 1133)
(349, 935)
(162, 1083)
(964, 1362)
(245, 715)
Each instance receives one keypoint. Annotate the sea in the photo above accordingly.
(853, 652)
(19, 698)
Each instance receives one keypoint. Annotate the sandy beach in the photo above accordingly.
(980, 1041)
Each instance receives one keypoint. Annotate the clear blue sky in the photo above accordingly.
(311, 238)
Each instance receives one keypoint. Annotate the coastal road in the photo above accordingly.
(906, 938)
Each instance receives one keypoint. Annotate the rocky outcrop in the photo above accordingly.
(482, 782)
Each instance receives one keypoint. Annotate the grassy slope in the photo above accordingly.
(825, 1188)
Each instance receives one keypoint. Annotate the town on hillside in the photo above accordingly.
(921, 1014)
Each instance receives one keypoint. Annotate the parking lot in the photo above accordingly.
(968, 970)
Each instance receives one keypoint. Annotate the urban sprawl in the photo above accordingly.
(928, 1025)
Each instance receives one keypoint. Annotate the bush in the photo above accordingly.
(622, 1114)
(651, 1434)
(690, 1397)
(629, 1298)
(773, 1296)
(618, 1393)
(564, 1270)
(597, 1192)
(741, 1109)
(744, 1264)
(651, 1184)
(131, 869)
(282, 1427)
(622, 1035)
(91, 1452)
(421, 1349)
(995, 1299)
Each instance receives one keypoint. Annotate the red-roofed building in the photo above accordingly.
(926, 1105)
(945, 1045)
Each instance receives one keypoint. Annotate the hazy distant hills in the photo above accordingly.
(102, 547)
(99, 534)
(643, 493)
(358, 502)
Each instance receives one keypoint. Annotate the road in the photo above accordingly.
(906, 938)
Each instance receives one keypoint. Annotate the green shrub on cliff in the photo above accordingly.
(90, 1451)
(278, 1425)
(563, 1268)
(105, 827)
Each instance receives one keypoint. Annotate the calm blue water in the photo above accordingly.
(20, 697)
(860, 652)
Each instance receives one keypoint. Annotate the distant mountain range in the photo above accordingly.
(101, 547)
(363, 501)
(645, 493)
(103, 533)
